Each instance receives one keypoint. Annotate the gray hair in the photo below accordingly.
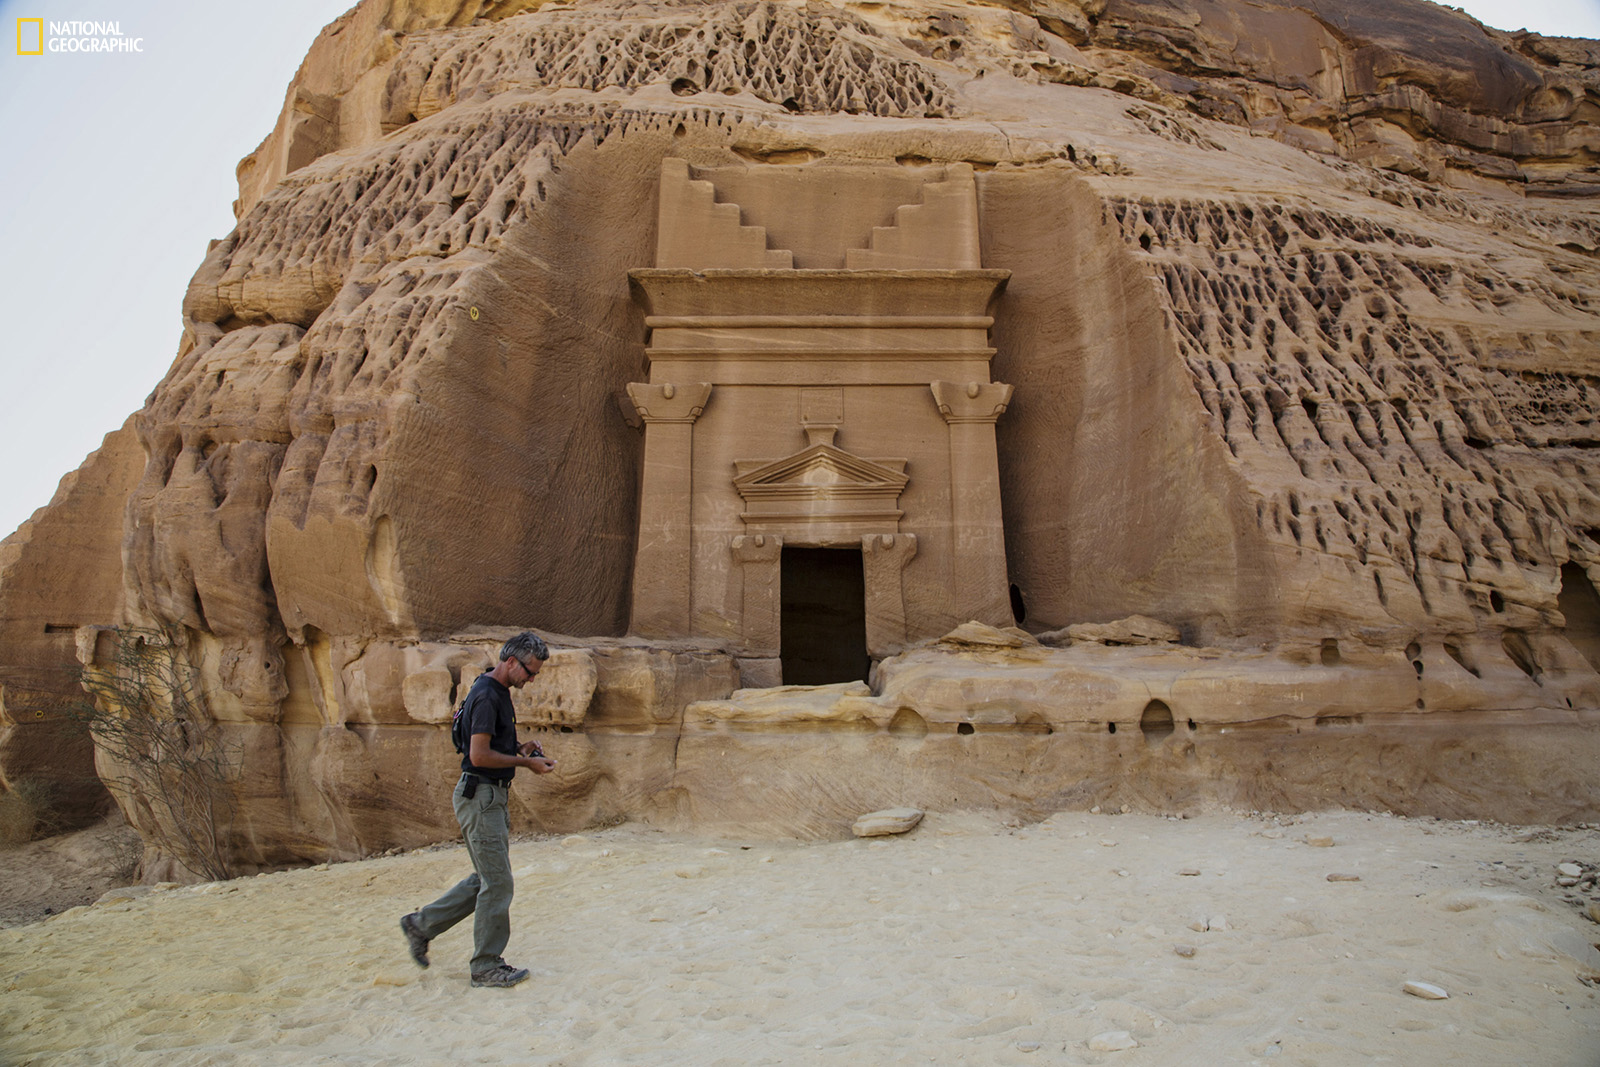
(525, 644)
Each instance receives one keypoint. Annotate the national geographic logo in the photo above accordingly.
(30, 37)
(73, 36)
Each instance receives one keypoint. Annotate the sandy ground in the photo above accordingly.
(966, 941)
(42, 878)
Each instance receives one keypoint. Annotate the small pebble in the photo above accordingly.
(888, 822)
(1344, 878)
(1112, 1041)
(1320, 842)
(1425, 990)
(1571, 870)
(1027, 1046)
(1189, 872)
(1186, 951)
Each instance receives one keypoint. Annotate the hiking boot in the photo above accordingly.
(414, 939)
(500, 976)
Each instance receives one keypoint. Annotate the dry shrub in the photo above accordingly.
(27, 812)
(161, 751)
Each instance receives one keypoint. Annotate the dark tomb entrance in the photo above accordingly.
(824, 623)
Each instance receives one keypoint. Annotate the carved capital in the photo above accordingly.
(668, 402)
(896, 549)
(972, 402)
(757, 548)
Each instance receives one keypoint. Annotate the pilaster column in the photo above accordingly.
(663, 564)
(883, 560)
(972, 409)
(760, 625)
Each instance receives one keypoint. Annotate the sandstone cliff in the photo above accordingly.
(1302, 323)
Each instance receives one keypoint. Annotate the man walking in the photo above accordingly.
(480, 798)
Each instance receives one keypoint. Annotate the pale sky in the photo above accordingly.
(116, 170)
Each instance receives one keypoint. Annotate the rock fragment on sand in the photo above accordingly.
(1320, 842)
(1112, 1041)
(1189, 872)
(1134, 630)
(982, 635)
(1336, 877)
(1425, 990)
(1570, 870)
(886, 822)
(1186, 951)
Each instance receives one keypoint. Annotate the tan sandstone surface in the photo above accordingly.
(1277, 325)
(1219, 939)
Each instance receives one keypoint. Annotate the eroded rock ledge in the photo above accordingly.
(981, 720)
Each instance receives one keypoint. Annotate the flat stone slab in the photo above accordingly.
(1426, 990)
(886, 822)
(1134, 630)
(1112, 1041)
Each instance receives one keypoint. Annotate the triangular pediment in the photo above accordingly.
(819, 467)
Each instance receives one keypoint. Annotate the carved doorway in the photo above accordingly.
(823, 621)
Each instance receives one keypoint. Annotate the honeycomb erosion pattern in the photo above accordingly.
(813, 59)
(1454, 471)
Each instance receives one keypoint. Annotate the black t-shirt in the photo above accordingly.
(489, 711)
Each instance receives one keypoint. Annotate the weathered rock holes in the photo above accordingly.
(907, 723)
(1155, 723)
(1517, 647)
(1330, 652)
(1580, 606)
(1455, 652)
(966, 729)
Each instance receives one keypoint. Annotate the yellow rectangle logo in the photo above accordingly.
(36, 38)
